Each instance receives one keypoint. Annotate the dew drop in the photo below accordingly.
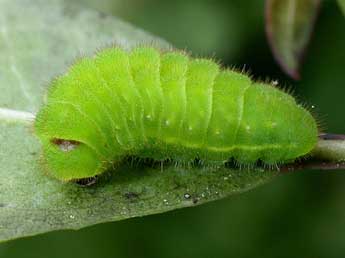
(186, 195)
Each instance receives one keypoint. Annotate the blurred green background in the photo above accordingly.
(296, 215)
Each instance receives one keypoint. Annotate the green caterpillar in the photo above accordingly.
(165, 105)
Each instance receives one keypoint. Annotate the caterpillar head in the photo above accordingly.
(67, 146)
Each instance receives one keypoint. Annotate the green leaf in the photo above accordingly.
(342, 5)
(38, 39)
(289, 25)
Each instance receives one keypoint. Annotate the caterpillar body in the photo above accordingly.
(165, 105)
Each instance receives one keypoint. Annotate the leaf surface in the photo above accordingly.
(38, 40)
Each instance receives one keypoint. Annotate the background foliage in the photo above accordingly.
(300, 214)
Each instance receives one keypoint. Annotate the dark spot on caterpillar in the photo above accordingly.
(197, 162)
(85, 182)
(65, 145)
(136, 162)
(131, 195)
(259, 163)
(231, 164)
(2, 205)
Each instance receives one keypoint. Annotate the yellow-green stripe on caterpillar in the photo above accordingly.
(165, 105)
